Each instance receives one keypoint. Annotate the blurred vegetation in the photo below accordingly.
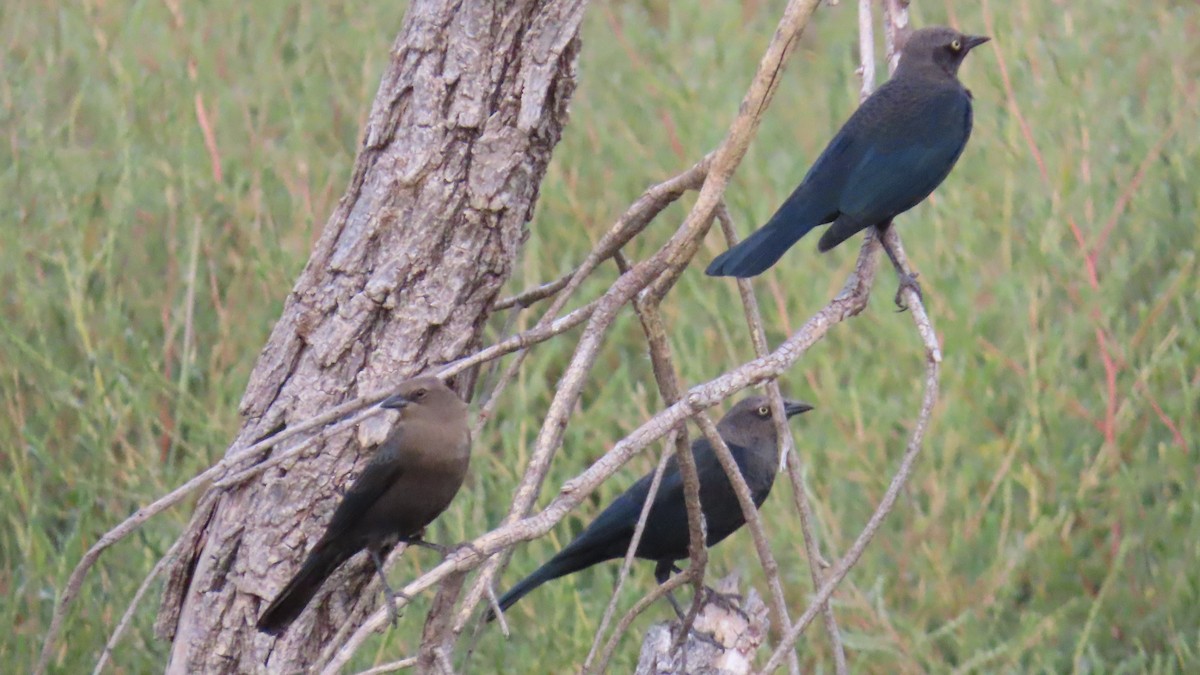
(166, 170)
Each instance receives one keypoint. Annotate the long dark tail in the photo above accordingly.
(759, 251)
(842, 229)
(294, 597)
(566, 562)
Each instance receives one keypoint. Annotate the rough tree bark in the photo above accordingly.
(457, 143)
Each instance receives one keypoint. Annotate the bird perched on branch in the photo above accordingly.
(410, 481)
(749, 431)
(889, 156)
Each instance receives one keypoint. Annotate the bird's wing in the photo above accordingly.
(380, 474)
(621, 516)
(897, 168)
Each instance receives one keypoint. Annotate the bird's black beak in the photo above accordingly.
(793, 408)
(972, 41)
(394, 402)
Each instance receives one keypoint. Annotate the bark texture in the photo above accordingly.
(457, 143)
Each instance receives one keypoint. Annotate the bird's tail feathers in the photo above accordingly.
(566, 562)
(294, 597)
(764, 248)
(842, 229)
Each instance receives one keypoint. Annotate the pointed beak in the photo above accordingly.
(972, 41)
(394, 402)
(793, 408)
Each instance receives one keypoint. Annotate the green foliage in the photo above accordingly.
(1052, 523)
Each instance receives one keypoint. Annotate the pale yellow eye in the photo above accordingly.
(763, 411)
(956, 45)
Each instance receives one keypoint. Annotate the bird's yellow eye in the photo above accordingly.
(956, 44)
(763, 411)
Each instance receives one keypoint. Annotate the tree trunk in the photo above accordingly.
(457, 143)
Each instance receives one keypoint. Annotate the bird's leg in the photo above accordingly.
(446, 551)
(388, 592)
(423, 543)
(907, 279)
(662, 572)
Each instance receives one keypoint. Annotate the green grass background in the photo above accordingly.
(1051, 524)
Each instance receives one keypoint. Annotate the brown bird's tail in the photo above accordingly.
(294, 597)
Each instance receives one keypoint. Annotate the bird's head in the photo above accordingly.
(426, 398)
(937, 47)
(751, 421)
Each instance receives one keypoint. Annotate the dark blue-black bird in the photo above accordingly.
(890, 155)
(748, 430)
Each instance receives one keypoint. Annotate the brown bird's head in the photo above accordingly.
(937, 47)
(750, 424)
(426, 398)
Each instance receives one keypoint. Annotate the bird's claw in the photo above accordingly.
(728, 601)
(394, 614)
(707, 638)
(907, 280)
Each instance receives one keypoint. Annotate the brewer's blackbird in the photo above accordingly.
(749, 432)
(889, 156)
(411, 479)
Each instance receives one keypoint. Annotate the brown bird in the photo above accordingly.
(410, 481)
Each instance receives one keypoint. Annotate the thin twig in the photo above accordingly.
(527, 298)
(391, 667)
(437, 625)
(866, 49)
(636, 218)
(933, 360)
(127, 617)
(788, 456)
(646, 305)
(762, 545)
(634, 612)
(627, 563)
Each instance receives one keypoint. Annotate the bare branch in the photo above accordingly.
(437, 625)
(866, 49)
(750, 512)
(391, 667)
(646, 305)
(932, 364)
(127, 617)
(640, 606)
(788, 455)
(648, 206)
(627, 563)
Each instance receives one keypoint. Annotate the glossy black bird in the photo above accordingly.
(889, 156)
(748, 430)
(410, 481)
